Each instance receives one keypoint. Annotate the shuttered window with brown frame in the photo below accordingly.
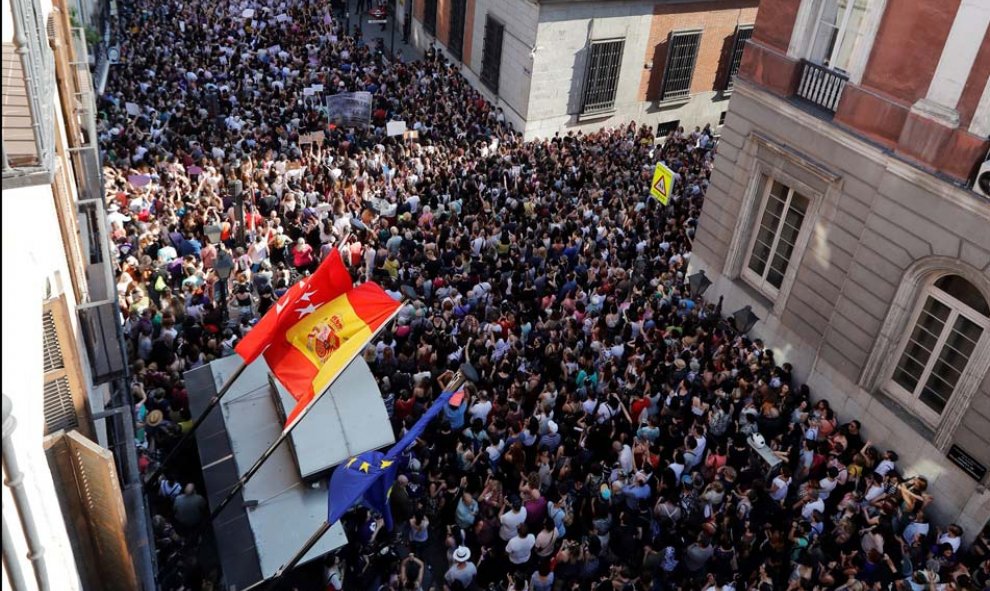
(64, 392)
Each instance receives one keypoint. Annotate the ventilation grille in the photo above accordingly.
(59, 411)
(52, 348)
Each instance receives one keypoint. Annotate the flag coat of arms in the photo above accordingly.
(316, 329)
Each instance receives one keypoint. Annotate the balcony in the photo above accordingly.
(28, 99)
(820, 86)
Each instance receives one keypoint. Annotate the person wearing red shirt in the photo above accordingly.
(638, 406)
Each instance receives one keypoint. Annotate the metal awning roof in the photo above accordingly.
(254, 541)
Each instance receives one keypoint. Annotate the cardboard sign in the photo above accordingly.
(393, 128)
(410, 135)
(311, 138)
(139, 180)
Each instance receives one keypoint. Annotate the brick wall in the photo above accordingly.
(419, 8)
(717, 21)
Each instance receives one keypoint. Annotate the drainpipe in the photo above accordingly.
(10, 561)
(15, 481)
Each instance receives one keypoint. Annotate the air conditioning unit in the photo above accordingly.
(982, 184)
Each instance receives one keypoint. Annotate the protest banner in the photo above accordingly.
(351, 109)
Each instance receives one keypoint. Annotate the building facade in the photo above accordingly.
(72, 516)
(557, 65)
(842, 210)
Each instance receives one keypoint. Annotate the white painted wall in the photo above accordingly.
(32, 252)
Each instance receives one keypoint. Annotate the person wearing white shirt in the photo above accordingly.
(952, 537)
(511, 520)
(481, 408)
(780, 484)
(520, 548)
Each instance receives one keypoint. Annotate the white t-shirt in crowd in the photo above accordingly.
(519, 549)
(510, 524)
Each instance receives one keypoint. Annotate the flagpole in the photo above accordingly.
(275, 582)
(288, 430)
(150, 482)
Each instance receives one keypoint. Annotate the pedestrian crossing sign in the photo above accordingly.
(663, 183)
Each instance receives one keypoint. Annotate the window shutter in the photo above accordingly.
(59, 410)
(64, 392)
(52, 348)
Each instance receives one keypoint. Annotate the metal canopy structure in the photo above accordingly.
(278, 508)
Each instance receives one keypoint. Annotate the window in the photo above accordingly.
(430, 16)
(455, 43)
(602, 78)
(64, 396)
(743, 35)
(668, 127)
(491, 56)
(721, 118)
(682, 52)
(783, 213)
(951, 317)
(838, 30)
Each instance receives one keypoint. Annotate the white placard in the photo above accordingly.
(132, 109)
(308, 91)
(282, 18)
(248, 13)
(318, 87)
(395, 128)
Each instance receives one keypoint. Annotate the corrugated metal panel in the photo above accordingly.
(52, 349)
(60, 412)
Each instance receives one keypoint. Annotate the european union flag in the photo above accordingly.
(367, 476)
(370, 475)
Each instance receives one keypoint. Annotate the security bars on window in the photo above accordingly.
(682, 53)
(743, 35)
(602, 79)
(455, 43)
(491, 57)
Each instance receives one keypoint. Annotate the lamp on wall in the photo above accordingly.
(744, 319)
(698, 283)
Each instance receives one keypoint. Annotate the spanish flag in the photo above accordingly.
(319, 326)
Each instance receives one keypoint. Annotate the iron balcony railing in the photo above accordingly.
(28, 99)
(821, 86)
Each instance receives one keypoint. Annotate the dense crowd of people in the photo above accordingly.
(609, 442)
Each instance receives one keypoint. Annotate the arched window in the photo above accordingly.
(952, 316)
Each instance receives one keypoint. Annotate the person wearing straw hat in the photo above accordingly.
(463, 571)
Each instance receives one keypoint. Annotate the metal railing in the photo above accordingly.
(37, 65)
(821, 86)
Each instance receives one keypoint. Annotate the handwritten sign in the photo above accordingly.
(132, 109)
